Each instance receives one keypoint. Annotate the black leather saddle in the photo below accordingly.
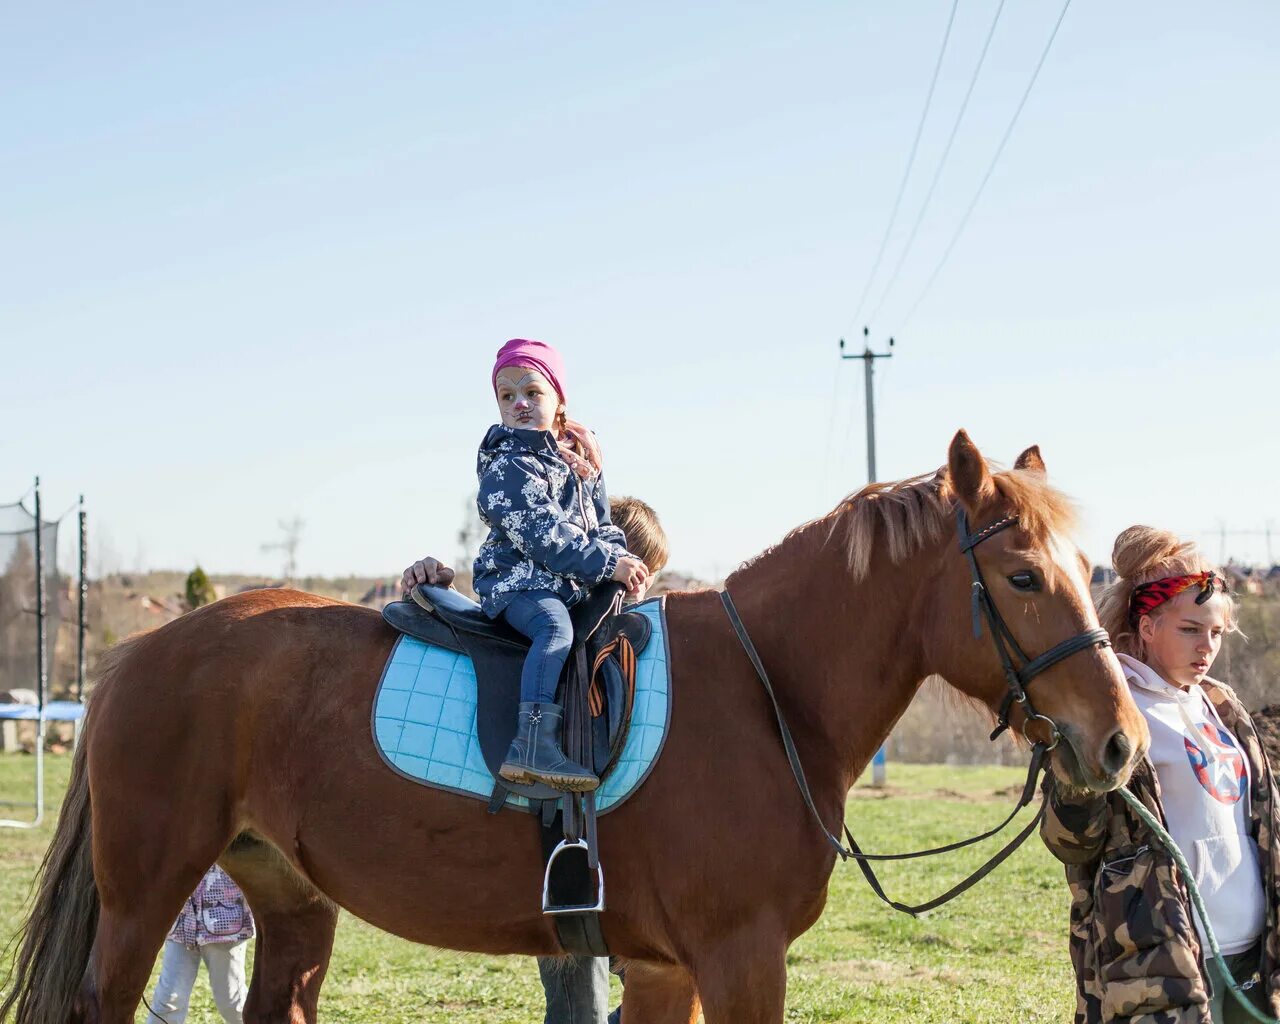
(443, 617)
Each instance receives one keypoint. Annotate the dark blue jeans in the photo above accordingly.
(544, 619)
(577, 990)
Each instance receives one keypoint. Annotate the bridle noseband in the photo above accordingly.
(1006, 645)
(1017, 678)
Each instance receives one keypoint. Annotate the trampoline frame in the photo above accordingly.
(56, 711)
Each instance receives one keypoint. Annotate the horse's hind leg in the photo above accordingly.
(658, 994)
(124, 951)
(145, 863)
(295, 926)
(133, 921)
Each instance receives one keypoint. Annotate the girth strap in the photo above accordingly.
(620, 647)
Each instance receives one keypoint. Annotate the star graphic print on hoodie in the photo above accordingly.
(1217, 762)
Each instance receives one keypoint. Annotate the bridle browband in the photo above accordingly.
(1017, 678)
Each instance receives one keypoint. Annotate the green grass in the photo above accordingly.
(998, 954)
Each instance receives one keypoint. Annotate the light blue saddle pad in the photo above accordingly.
(424, 718)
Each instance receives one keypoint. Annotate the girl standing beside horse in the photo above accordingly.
(1136, 951)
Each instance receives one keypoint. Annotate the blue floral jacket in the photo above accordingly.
(548, 528)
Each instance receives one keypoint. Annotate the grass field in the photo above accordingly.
(996, 955)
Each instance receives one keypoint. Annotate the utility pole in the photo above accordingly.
(1222, 532)
(868, 364)
(879, 762)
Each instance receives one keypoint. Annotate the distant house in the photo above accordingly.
(159, 606)
(1243, 579)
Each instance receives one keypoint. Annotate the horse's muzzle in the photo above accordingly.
(1107, 771)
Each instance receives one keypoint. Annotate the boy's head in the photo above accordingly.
(645, 537)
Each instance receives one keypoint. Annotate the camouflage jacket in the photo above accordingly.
(1134, 947)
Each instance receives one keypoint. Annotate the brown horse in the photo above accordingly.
(241, 733)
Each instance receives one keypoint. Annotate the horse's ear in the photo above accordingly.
(970, 477)
(1031, 461)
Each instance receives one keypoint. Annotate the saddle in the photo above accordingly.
(596, 690)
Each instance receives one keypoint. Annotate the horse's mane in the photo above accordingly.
(903, 516)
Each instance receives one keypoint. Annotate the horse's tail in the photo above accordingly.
(55, 943)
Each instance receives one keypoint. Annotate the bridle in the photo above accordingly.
(1011, 657)
(1006, 645)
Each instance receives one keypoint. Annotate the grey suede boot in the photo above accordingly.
(537, 756)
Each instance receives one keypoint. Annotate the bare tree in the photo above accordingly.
(104, 558)
(291, 538)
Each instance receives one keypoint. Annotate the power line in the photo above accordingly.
(964, 221)
(942, 163)
(1222, 532)
(911, 159)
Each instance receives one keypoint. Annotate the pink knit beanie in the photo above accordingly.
(537, 355)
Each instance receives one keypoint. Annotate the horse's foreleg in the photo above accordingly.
(290, 962)
(658, 994)
(295, 926)
(744, 979)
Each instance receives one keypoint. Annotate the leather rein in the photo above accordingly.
(1019, 671)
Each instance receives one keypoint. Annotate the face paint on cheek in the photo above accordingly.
(531, 402)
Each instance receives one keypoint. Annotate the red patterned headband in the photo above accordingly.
(1150, 596)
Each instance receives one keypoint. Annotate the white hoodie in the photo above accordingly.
(1204, 787)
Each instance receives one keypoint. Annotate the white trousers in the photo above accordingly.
(178, 970)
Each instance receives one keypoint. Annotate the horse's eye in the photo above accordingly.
(1025, 581)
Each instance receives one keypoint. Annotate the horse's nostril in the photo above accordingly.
(1116, 753)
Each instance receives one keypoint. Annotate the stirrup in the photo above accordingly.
(573, 908)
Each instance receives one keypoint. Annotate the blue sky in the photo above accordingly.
(255, 263)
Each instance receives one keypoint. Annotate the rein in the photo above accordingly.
(1017, 679)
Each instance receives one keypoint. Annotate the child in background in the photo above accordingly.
(215, 926)
(577, 987)
(542, 495)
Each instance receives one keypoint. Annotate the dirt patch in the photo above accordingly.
(954, 795)
(868, 972)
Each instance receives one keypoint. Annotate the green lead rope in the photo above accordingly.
(1167, 840)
